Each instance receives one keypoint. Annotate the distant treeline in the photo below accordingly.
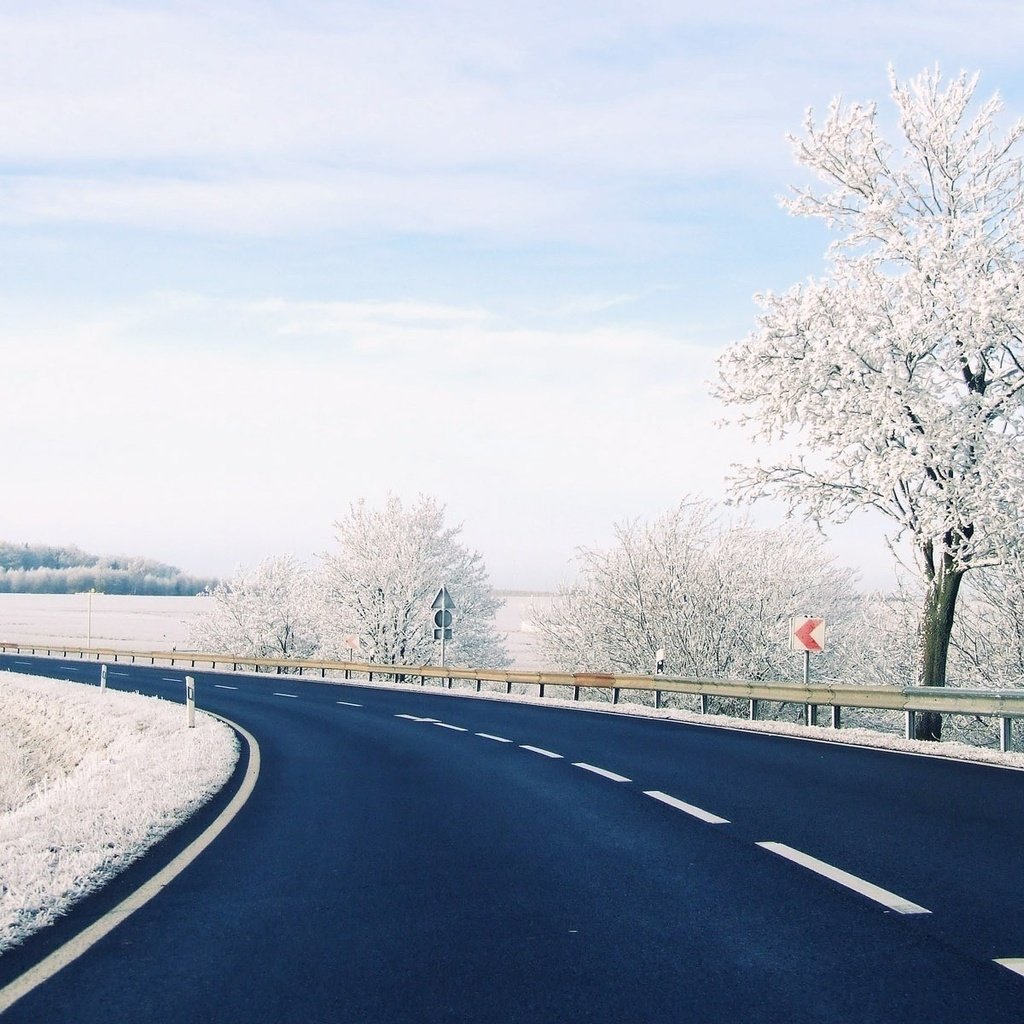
(36, 569)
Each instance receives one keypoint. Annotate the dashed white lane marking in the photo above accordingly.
(454, 728)
(859, 885)
(600, 771)
(488, 736)
(121, 675)
(29, 663)
(349, 704)
(295, 695)
(679, 805)
(539, 750)
(224, 686)
(171, 679)
(416, 718)
(1013, 963)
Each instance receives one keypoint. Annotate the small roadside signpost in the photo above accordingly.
(443, 607)
(807, 634)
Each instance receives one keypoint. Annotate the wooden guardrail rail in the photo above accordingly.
(1004, 705)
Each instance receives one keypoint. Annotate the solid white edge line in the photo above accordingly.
(454, 728)
(844, 878)
(488, 736)
(539, 750)
(679, 805)
(600, 771)
(349, 704)
(84, 940)
(1012, 963)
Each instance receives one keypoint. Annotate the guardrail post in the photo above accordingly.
(575, 693)
(541, 689)
(479, 683)
(703, 703)
(1005, 734)
(910, 728)
(449, 682)
(508, 686)
(754, 702)
(811, 714)
(836, 716)
(615, 695)
(657, 698)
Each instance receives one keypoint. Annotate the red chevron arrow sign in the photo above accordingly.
(806, 634)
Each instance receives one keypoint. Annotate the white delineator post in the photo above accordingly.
(190, 700)
(103, 677)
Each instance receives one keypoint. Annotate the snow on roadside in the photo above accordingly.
(90, 779)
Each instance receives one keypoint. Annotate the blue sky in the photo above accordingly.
(262, 259)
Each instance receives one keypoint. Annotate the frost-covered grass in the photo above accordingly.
(89, 780)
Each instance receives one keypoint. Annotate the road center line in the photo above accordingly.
(224, 686)
(349, 704)
(679, 805)
(416, 718)
(488, 736)
(1013, 963)
(121, 675)
(859, 885)
(454, 728)
(294, 695)
(539, 750)
(29, 663)
(600, 771)
(171, 679)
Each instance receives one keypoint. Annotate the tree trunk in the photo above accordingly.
(936, 629)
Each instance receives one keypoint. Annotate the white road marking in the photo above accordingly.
(454, 728)
(29, 663)
(74, 948)
(600, 771)
(224, 686)
(539, 750)
(488, 736)
(172, 679)
(1013, 963)
(416, 718)
(349, 704)
(679, 805)
(859, 885)
(122, 675)
(295, 695)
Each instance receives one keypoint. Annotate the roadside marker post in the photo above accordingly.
(190, 700)
(103, 677)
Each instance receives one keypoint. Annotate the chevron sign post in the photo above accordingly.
(807, 634)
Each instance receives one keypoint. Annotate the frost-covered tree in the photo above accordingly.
(265, 612)
(896, 381)
(380, 581)
(718, 600)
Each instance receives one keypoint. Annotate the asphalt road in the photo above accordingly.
(416, 857)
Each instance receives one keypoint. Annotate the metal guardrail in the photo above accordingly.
(1004, 705)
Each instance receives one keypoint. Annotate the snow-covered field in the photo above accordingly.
(160, 623)
(90, 779)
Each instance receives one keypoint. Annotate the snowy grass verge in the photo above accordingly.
(89, 780)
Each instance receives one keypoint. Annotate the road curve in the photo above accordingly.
(412, 856)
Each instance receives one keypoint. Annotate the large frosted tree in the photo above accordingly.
(265, 612)
(896, 381)
(381, 579)
(716, 598)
